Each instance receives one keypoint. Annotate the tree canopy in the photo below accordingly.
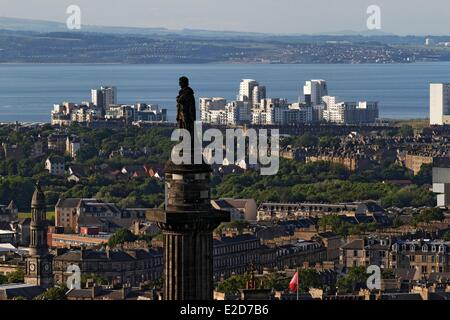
(121, 236)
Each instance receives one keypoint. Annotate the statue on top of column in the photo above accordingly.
(186, 106)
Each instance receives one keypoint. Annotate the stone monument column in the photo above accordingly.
(187, 223)
(188, 219)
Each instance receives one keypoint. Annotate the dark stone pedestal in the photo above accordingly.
(187, 223)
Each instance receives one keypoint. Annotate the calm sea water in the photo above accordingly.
(28, 91)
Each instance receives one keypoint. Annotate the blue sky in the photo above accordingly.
(420, 17)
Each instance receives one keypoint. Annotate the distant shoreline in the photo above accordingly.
(217, 62)
(390, 120)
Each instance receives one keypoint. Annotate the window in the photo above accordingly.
(355, 253)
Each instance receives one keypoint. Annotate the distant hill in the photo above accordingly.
(23, 40)
(17, 24)
(356, 33)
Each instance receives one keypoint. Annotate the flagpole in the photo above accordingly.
(297, 282)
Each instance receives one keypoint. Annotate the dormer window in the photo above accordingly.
(433, 249)
(425, 248)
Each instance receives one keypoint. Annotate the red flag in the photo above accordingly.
(293, 285)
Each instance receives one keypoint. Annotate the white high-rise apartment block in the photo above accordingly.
(275, 109)
(238, 112)
(314, 91)
(349, 112)
(260, 116)
(299, 113)
(96, 97)
(218, 111)
(439, 103)
(207, 105)
(217, 116)
(334, 111)
(258, 93)
(364, 112)
(270, 111)
(279, 112)
(246, 90)
(109, 96)
(104, 97)
(441, 185)
(429, 42)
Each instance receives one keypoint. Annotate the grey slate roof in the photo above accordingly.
(27, 291)
(114, 255)
(68, 203)
(357, 244)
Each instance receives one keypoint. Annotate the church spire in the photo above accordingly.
(39, 263)
(38, 227)
(38, 200)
